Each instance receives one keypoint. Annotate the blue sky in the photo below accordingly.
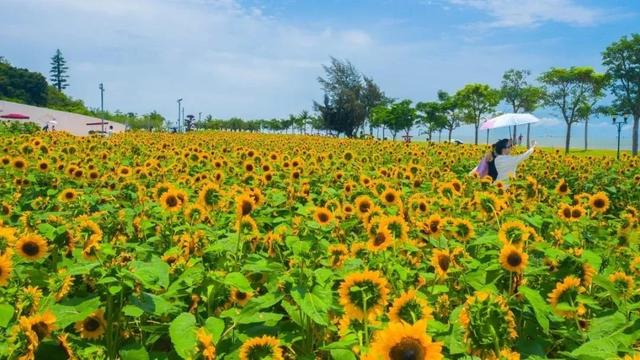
(261, 58)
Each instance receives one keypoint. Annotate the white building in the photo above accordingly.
(75, 124)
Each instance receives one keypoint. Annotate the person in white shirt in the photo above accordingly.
(504, 164)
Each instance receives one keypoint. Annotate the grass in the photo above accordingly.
(590, 152)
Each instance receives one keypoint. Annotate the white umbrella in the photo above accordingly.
(509, 120)
(53, 122)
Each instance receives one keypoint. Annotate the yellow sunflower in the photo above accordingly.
(566, 293)
(514, 233)
(239, 297)
(363, 294)
(323, 216)
(244, 205)
(401, 341)
(562, 187)
(170, 200)
(463, 230)
(43, 324)
(261, 348)
(363, 205)
(489, 324)
(410, 308)
(623, 283)
(63, 341)
(68, 195)
(381, 240)
(6, 267)
(441, 260)
(32, 247)
(205, 343)
(390, 197)
(93, 327)
(599, 202)
(513, 258)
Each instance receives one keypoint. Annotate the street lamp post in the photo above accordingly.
(179, 112)
(101, 87)
(619, 124)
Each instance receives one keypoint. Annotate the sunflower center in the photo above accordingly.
(241, 295)
(576, 213)
(563, 188)
(514, 259)
(599, 203)
(31, 248)
(68, 195)
(172, 201)
(567, 212)
(434, 225)
(364, 207)
(380, 239)
(422, 207)
(389, 197)
(443, 262)
(323, 217)
(407, 349)
(91, 324)
(246, 208)
(41, 329)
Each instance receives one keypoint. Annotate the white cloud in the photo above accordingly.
(528, 13)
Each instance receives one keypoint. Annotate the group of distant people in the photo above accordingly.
(498, 163)
(46, 127)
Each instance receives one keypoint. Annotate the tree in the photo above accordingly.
(399, 116)
(22, 85)
(570, 90)
(520, 95)
(372, 97)
(451, 110)
(431, 115)
(345, 105)
(622, 62)
(379, 116)
(58, 73)
(476, 101)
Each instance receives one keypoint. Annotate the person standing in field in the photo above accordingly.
(520, 139)
(504, 164)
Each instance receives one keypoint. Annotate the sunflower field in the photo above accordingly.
(220, 245)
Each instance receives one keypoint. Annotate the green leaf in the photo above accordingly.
(455, 340)
(183, 335)
(6, 314)
(540, 308)
(134, 352)
(153, 275)
(606, 348)
(133, 311)
(238, 281)
(338, 354)
(607, 325)
(313, 304)
(152, 304)
(74, 310)
(82, 268)
(215, 327)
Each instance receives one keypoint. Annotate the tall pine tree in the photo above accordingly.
(58, 73)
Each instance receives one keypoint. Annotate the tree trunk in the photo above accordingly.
(528, 133)
(636, 124)
(429, 134)
(440, 136)
(515, 135)
(586, 132)
(450, 131)
(487, 136)
(477, 126)
(568, 139)
(383, 132)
